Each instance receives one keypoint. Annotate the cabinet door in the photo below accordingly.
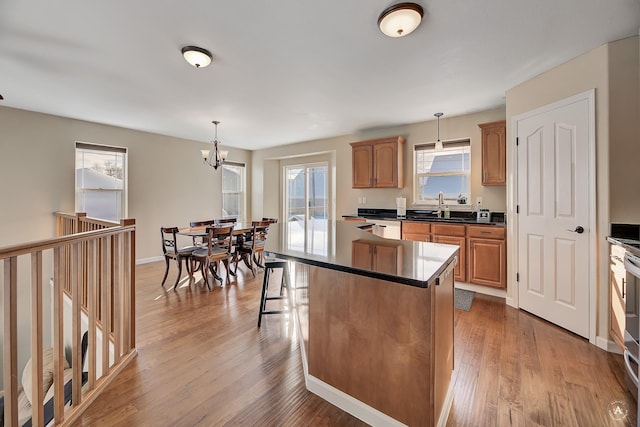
(487, 264)
(461, 267)
(385, 259)
(416, 237)
(417, 231)
(362, 166)
(361, 255)
(494, 153)
(385, 165)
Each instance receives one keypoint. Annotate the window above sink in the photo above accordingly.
(442, 167)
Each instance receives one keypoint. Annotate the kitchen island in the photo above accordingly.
(375, 318)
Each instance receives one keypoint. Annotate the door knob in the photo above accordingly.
(579, 229)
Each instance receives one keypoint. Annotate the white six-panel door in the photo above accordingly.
(553, 198)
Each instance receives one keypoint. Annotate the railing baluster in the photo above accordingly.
(117, 298)
(10, 342)
(59, 279)
(76, 325)
(92, 308)
(106, 302)
(37, 411)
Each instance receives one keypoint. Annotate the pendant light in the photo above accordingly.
(438, 143)
(214, 157)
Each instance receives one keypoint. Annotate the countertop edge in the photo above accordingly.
(434, 220)
(621, 242)
(369, 273)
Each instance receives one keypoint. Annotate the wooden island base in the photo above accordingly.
(377, 349)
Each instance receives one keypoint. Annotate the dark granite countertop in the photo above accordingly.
(331, 244)
(458, 217)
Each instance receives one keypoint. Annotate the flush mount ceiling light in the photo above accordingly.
(400, 19)
(196, 56)
(214, 157)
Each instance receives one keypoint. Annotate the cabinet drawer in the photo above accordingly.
(416, 227)
(486, 232)
(449, 230)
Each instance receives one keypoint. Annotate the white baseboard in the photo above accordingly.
(486, 290)
(446, 405)
(347, 403)
(353, 406)
(148, 260)
(608, 345)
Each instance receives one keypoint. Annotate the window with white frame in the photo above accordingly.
(101, 181)
(442, 167)
(233, 190)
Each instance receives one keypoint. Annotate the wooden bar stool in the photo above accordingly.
(269, 265)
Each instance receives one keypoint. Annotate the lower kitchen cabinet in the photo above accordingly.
(453, 234)
(416, 231)
(383, 258)
(482, 259)
(487, 252)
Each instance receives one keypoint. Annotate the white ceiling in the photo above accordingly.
(285, 70)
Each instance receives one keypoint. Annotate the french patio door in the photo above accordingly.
(306, 198)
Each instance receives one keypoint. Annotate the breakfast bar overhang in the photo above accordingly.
(375, 319)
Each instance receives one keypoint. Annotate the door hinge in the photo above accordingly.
(517, 209)
(517, 141)
(517, 277)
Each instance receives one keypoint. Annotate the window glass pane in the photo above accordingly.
(100, 183)
(231, 205)
(318, 192)
(444, 170)
(296, 184)
(233, 191)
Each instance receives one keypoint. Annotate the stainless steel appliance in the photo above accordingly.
(632, 320)
(484, 215)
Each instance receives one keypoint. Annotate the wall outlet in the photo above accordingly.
(364, 200)
(478, 200)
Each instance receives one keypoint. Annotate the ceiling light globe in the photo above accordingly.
(400, 20)
(196, 56)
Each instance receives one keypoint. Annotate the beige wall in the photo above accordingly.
(612, 70)
(624, 131)
(168, 185)
(266, 198)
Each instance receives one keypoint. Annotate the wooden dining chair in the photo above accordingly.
(198, 240)
(171, 251)
(218, 249)
(251, 251)
(226, 221)
(270, 220)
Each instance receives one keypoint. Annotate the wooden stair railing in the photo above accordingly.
(98, 269)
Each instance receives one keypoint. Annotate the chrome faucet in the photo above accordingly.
(440, 203)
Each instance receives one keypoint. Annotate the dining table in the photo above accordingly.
(240, 231)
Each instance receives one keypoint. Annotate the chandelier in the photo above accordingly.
(214, 157)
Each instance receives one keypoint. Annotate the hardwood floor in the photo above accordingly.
(202, 361)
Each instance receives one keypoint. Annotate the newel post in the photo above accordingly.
(79, 216)
(132, 275)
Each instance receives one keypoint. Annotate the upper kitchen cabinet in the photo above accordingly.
(494, 153)
(378, 163)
